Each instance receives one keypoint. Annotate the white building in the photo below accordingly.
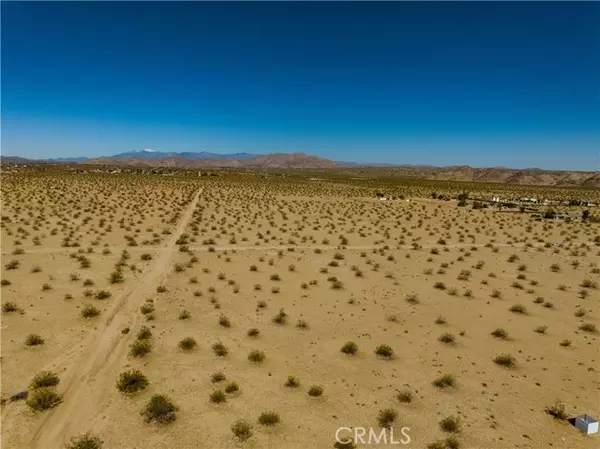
(586, 424)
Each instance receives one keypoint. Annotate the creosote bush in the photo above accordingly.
(557, 411)
(292, 382)
(242, 430)
(450, 424)
(387, 417)
(505, 360)
(43, 398)
(187, 344)
(269, 418)
(445, 381)
(85, 441)
(132, 381)
(160, 410)
(384, 351)
(44, 379)
(90, 312)
(404, 396)
(34, 340)
(315, 391)
(350, 348)
(140, 348)
(256, 356)
(218, 397)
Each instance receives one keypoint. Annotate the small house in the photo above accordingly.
(586, 424)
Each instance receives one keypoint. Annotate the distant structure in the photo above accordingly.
(529, 200)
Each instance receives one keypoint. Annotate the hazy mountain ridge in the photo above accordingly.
(290, 161)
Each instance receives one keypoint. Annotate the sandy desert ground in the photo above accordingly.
(469, 327)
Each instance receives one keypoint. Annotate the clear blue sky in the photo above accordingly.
(479, 83)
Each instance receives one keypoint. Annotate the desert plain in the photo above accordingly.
(269, 310)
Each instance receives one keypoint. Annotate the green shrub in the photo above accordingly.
(256, 356)
(34, 340)
(505, 360)
(187, 344)
(160, 409)
(242, 430)
(450, 424)
(44, 379)
(90, 312)
(384, 351)
(220, 349)
(132, 382)
(85, 441)
(500, 333)
(404, 396)
(217, 397)
(144, 333)
(43, 399)
(350, 348)
(140, 348)
(557, 411)
(315, 391)
(269, 418)
(386, 417)
(232, 387)
(254, 332)
(292, 382)
(445, 381)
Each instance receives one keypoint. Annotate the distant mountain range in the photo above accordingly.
(275, 161)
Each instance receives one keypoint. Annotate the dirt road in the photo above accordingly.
(85, 384)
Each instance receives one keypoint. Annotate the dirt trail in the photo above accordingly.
(84, 386)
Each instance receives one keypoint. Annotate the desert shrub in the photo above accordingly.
(445, 381)
(384, 351)
(315, 391)
(387, 417)
(256, 356)
(146, 309)
(350, 348)
(505, 360)
(102, 294)
(12, 265)
(440, 320)
(541, 329)
(34, 340)
(518, 308)
(85, 441)
(144, 333)
(232, 387)
(140, 348)
(9, 306)
(224, 321)
(500, 333)
(565, 343)
(132, 382)
(89, 312)
(269, 418)
(447, 338)
(450, 424)
(146, 256)
(412, 299)
(5, 282)
(116, 277)
(184, 315)
(587, 283)
(217, 397)
(589, 327)
(217, 377)
(187, 344)
(254, 332)
(280, 318)
(404, 396)
(44, 379)
(292, 382)
(557, 411)
(44, 398)
(242, 430)
(160, 409)
(439, 285)
(220, 349)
